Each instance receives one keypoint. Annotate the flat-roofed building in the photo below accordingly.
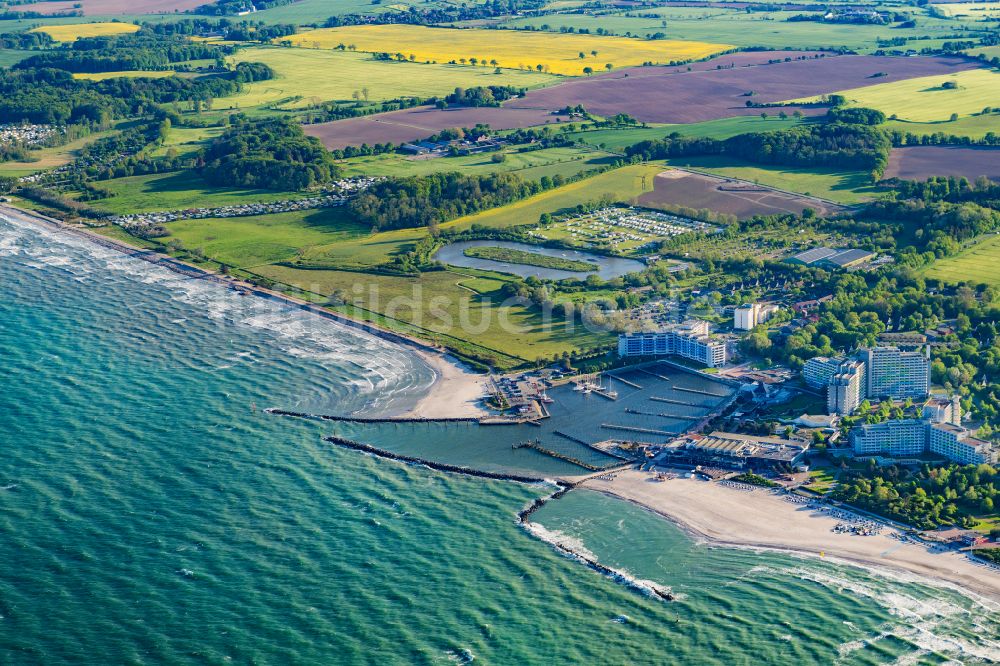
(896, 374)
(901, 438)
(958, 444)
(692, 340)
(940, 409)
(846, 389)
(818, 371)
(846, 259)
(810, 257)
(897, 438)
(736, 450)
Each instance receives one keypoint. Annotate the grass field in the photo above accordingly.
(73, 31)
(735, 26)
(251, 241)
(304, 12)
(440, 302)
(308, 76)
(10, 57)
(844, 187)
(129, 74)
(557, 53)
(535, 164)
(924, 100)
(971, 126)
(185, 140)
(619, 139)
(436, 303)
(978, 264)
(988, 51)
(175, 191)
(973, 10)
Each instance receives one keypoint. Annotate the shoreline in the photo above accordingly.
(722, 516)
(454, 392)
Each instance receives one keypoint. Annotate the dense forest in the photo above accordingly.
(267, 154)
(398, 203)
(926, 498)
(836, 144)
(131, 52)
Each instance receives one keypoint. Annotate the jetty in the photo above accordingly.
(700, 392)
(655, 374)
(537, 446)
(623, 380)
(686, 417)
(671, 401)
(375, 419)
(647, 431)
(593, 447)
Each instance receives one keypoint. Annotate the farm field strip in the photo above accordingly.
(307, 76)
(73, 31)
(925, 99)
(554, 53)
(129, 74)
(922, 162)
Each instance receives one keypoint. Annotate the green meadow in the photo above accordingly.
(979, 264)
(840, 186)
(306, 77)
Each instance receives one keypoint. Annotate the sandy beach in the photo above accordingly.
(455, 393)
(728, 516)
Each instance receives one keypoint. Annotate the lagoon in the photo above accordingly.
(607, 267)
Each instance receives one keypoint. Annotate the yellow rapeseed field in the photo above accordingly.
(74, 31)
(130, 74)
(556, 53)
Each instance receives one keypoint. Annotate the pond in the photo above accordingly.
(607, 267)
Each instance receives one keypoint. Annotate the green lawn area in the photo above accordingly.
(820, 480)
(974, 127)
(845, 187)
(177, 190)
(925, 100)
(308, 76)
(440, 302)
(734, 26)
(979, 264)
(185, 140)
(250, 241)
(619, 139)
(532, 165)
(10, 57)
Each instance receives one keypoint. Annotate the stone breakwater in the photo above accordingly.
(523, 516)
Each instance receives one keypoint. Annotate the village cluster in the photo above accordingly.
(27, 135)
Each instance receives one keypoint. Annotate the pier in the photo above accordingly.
(594, 447)
(624, 381)
(655, 374)
(537, 446)
(699, 391)
(686, 417)
(648, 431)
(368, 419)
(671, 401)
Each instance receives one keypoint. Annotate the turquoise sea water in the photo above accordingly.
(151, 513)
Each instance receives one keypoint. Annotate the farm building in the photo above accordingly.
(825, 257)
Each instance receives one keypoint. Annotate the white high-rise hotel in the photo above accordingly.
(882, 372)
